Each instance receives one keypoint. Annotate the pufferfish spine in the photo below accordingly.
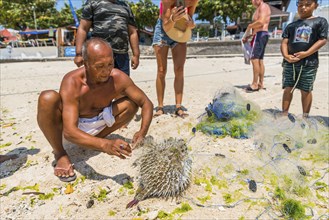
(165, 171)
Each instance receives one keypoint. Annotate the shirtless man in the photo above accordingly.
(259, 31)
(84, 111)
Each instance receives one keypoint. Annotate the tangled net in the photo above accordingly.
(288, 169)
(229, 114)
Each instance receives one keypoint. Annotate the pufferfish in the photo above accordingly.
(164, 170)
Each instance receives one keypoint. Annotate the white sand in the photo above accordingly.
(21, 84)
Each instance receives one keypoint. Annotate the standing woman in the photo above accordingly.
(170, 15)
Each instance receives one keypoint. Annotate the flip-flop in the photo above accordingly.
(182, 115)
(157, 109)
(69, 178)
(249, 89)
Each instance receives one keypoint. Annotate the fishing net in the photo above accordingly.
(229, 115)
(286, 174)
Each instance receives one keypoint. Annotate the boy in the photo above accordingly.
(301, 41)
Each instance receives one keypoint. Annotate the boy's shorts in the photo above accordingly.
(121, 62)
(160, 37)
(258, 45)
(306, 79)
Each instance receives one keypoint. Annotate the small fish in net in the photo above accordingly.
(164, 170)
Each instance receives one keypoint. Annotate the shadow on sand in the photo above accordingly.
(14, 160)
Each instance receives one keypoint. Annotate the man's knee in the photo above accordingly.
(132, 107)
(124, 106)
(47, 97)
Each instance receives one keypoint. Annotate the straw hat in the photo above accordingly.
(180, 32)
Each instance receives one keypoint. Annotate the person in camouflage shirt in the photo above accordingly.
(113, 21)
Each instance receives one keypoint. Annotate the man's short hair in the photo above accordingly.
(94, 40)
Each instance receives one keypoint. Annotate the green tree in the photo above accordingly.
(208, 9)
(146, 13)
(65, 16)
(18, 14)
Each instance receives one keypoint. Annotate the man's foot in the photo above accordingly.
(249, 89)
(64, 170)
(261, 87)
(180, 112)
(159, 111)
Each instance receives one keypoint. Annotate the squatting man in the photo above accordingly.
(85, 110)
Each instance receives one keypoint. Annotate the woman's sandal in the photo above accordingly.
(158, 111)
(182, 115)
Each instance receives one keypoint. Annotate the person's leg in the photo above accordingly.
(306, 102)
(262, 45)
(161, 53)
(179, 57)
(49, 118)
(256, 67)
(261, 74)
(123, 111)
(286, 100)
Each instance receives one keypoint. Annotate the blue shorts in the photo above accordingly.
(258, 45)
(121, 62)
(160, 38)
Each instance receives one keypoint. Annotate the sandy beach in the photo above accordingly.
(29, 189)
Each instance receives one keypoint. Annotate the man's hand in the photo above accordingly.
(134, 62)
(292, 58)
(78, 60)
(137, 139)
(117, 147)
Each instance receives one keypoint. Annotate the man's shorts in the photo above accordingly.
(160, 38)
(95, 125)
(306, 79)
(121, 62)
(258, 44)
